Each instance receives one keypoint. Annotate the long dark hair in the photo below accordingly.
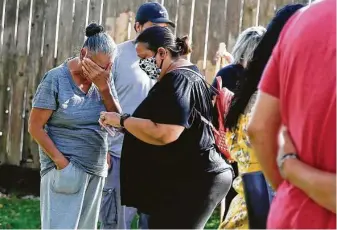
(248, 83)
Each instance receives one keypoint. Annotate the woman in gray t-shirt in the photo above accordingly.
(73, 148)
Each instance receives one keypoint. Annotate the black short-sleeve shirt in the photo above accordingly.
(230, 75)
(151, 175)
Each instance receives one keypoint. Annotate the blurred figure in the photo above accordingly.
(241, 56)
(222, 57)
(132, 86)
(230, 75)
(298, 90)
(243, 53)
(73, 148)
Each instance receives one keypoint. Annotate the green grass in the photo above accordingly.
(25, 214)
(19, 214)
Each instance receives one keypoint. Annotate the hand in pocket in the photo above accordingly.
(68, 180)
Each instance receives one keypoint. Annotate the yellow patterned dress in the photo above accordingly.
(242, 153)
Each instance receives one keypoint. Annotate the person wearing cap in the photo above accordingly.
(132, 85)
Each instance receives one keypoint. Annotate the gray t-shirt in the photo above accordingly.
(132, 85)
(73, 126)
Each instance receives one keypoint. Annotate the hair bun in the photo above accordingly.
(93, 29)
(183, 45)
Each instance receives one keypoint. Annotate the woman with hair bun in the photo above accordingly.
(170, 168)
(73, 148)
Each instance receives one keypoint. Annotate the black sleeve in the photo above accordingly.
(173, 101)
(228, 77)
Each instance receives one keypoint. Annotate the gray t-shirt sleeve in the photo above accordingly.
(46, 93)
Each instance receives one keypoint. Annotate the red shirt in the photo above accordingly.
(302, 74)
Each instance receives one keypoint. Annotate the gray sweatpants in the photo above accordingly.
(113, 214)
(70, 199)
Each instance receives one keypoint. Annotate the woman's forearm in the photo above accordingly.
(42, 138)
(111, 105)
(320, 186)
(145, 130)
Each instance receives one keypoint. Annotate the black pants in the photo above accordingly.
(231, 193)
(194, 205)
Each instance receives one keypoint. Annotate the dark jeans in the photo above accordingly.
(193, 207)
(231, 193)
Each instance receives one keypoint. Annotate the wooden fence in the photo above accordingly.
(37, 35)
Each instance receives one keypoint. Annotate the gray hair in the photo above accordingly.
(248, 40)
(98, 41)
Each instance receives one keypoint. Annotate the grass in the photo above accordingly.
(18, 213)
(25, 214)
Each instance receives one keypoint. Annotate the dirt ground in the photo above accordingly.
(20, 181)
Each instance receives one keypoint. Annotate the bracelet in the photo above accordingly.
(123, 118)
(281, 160)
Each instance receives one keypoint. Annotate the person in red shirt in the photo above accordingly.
(298, 91)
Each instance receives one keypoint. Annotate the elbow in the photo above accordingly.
(255, 130)
(167, 138)
(33, 128)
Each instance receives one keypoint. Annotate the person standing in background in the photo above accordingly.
(298, 91)
(230, 76)
(236, 137)
(240, 111)
(132, 85)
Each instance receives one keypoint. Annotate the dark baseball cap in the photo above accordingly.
(153, 12)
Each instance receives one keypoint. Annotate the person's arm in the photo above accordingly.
(101, 78)
(319, 185)
(263, 132)
(265, 122)
(145, 130)
(37, 120)
(44, 104)
(170, 113)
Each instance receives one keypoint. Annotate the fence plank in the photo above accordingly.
(18, 84)
(79, 25)
(281, 3)
(23, 20)
(65, 31)
(48, 60)
(249, 14)
(6, 71)
(233, 22)
(266, 12)
(217, 34)
(184, 17)
(172, 7)
(95, 10)
(1, 15)
(132, 16)
(304, 2)
(122, 20)
(109, 17)
(33, 72)
(199, 32)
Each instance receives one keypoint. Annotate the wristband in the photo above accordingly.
(123, 118)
